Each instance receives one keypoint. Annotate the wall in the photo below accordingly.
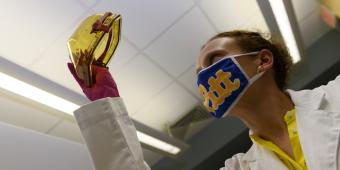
(22, 149)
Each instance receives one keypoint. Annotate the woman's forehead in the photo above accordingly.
(227, 43)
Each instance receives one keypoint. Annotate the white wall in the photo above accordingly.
(22, 149)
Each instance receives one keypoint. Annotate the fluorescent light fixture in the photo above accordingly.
(26, 90)
(285, 27)
(149, 140)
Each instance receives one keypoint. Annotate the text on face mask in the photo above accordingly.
(220, 88)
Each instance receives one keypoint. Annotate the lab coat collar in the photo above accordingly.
(318, 131)
(310, 99)
(306, 102)
(260, 158)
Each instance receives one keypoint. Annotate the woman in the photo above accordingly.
(240, 74)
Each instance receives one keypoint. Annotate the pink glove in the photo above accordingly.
(104, 85)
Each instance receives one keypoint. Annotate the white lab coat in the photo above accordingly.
(112, 142)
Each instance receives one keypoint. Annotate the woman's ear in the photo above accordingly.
(266, 60)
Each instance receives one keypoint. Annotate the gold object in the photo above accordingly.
(94, 43)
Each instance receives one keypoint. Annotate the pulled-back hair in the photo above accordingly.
(253, 41)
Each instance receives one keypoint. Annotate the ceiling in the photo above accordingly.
(155, 60)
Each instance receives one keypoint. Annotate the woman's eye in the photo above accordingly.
(215, 59)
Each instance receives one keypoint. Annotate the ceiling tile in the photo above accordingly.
(189, 80)
(303, 8)
(33, 25)
(229, 15)
(22, 115)
(143, 21)
(312, 28)
(90, 3)
(139, 81)
(125, 52)
(67, 130)
(166, 108)
(256, 23)
(179, 47)
(52, 64)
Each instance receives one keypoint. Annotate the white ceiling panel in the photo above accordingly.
(304, 8)
(312, 28)
(22, 115)
(143, 21)
(256, 23)
(89, 3)
(29, 27)
(139, 82)
(189, 80)
(179, 47)
(168, 107)
(125, 52)
(52, 64)
(68, 130)
(228, 15)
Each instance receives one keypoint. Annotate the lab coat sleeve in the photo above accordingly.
(110, 135)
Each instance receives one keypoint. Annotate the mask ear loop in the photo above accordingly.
(260, 72)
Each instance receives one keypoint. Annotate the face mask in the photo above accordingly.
(223, 83)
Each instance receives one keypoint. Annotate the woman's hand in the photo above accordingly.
(104, 85)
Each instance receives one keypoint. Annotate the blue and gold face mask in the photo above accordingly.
(223, 83)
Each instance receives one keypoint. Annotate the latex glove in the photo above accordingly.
(104, 85)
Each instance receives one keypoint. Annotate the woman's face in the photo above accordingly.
(217, 87)
(219, 48)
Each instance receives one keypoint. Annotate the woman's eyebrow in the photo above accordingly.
(217, 52)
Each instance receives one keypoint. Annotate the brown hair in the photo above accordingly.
(253, 41)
